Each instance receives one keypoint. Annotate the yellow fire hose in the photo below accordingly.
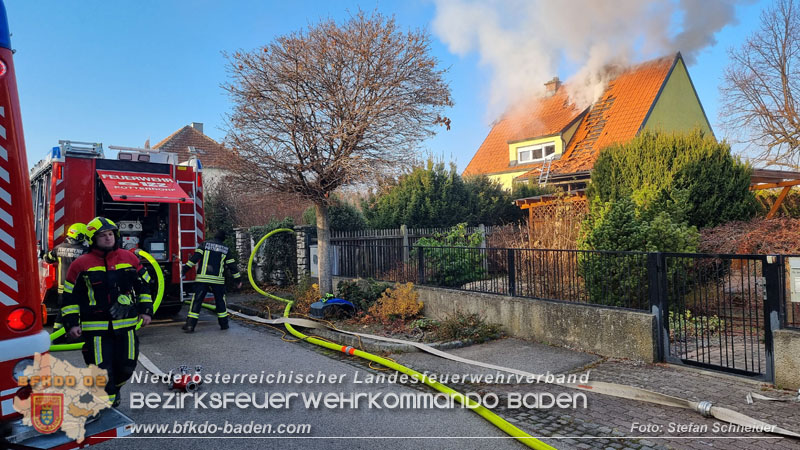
(487, 414)
(705, 408)
(156, 303)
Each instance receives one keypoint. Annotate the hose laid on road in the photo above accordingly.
(484, 412)
(599, 387)
(156, 303)
(705, 408)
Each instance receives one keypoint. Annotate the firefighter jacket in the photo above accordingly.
(64, 254)
(211, 258)
(106, 291)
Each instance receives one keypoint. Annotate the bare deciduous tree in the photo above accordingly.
(331, 106)
(759, 86)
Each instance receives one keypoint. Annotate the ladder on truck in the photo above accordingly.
(544, 172)
(187, 214)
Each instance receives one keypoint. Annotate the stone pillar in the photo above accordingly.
(304, 235)
(244, 245)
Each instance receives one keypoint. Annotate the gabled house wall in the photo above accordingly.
(677, 107)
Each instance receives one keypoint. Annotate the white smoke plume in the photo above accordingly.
(526, 42)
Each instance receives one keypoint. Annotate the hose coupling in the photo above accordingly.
(704, 408)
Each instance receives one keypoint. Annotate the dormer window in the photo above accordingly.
(534, 153)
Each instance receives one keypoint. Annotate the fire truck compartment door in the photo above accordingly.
(142, 187)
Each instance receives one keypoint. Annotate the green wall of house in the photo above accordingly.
(677, 107)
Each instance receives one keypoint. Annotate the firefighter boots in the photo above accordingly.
(188, 327)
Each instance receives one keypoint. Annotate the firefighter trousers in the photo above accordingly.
(116, 352)
(200, 292)
(59, 303)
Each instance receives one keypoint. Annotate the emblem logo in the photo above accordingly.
(48, 412)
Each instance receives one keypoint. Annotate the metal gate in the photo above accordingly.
(718, 311)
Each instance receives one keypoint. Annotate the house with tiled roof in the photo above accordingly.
(551, 139)
(189, 142)
(254, 208)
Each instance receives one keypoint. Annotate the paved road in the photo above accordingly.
(252, 349)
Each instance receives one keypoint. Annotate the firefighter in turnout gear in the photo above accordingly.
(106, 293)
(64, 254)
(211, 258)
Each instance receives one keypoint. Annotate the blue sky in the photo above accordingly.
(120, 72)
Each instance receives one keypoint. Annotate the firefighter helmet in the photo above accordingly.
(77, 232)
(101, 224)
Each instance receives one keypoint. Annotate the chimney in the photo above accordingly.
(552, 86)
(197, 126)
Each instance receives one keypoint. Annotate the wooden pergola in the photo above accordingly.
(543, 207)
(541, 201)
(772, 179)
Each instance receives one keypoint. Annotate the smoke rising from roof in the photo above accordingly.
(526, 42)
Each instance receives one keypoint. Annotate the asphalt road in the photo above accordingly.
(251, 349)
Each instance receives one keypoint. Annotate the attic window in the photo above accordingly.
(533, 153)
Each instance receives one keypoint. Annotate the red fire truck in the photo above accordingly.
(21, 309)
(21, 333)
(155, 200)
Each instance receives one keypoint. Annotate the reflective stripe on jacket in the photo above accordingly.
(65, 254)
(99, 280)
(211, 258)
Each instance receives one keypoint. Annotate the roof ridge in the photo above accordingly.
(614, 117)
(168, 138)
(213, 155)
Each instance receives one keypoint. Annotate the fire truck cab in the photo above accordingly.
(155, 201)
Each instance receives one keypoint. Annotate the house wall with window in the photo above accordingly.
(535, 150)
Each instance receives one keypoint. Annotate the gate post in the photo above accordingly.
(775, 292)
(512, 274)
(658, 302)
(420, 265)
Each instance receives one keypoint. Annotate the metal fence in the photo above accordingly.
(711, 310)
(714, 311)
(402, 236)
(617, 279)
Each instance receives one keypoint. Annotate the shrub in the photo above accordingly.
(461, 326)
(530, 188)
(433, 196)
(457, 266)
(279, 252)
(424, 324)
(690, 176)
(342, 216)
(790, 207)
(401, 302)
(620, 279)
(305, 293)
(362, 293)
(688, 325)
(489, 203)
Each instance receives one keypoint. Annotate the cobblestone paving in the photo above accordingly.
(615, 423)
